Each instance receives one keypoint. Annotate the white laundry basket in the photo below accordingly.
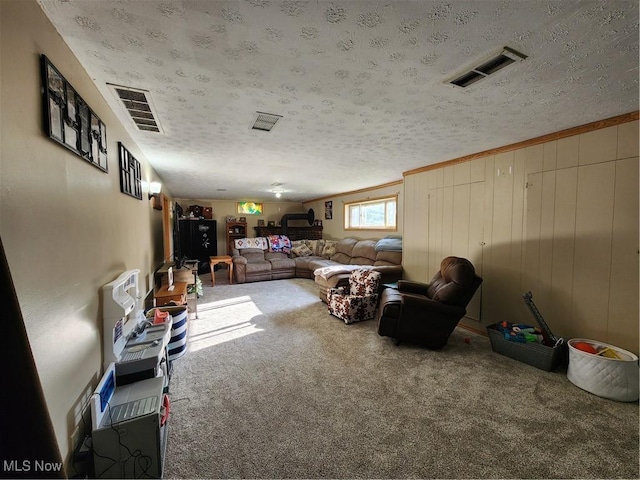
(613, 378)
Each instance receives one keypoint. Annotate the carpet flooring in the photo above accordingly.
(273, 386)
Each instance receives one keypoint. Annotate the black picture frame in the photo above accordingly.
(69, 121)
(328, 210)
(130, 174)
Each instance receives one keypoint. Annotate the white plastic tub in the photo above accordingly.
(613, 378)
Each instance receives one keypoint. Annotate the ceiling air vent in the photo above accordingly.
(265, 121)
(494, 64)
(137, 103)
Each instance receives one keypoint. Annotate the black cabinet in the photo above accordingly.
(198, 241)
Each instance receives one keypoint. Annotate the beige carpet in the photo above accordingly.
(274, 387)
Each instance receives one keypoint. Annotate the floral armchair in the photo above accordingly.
(357, 302)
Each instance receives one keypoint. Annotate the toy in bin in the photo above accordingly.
(602, 350)
(537, 346)
(520, 333)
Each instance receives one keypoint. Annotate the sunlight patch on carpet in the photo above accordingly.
(222, 321)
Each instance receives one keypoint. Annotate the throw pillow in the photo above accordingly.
(301, 251)
(315, 246)
(329, 249)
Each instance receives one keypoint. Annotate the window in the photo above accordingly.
(377, 214)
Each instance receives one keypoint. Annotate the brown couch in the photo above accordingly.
(351, 252)
(259, 264)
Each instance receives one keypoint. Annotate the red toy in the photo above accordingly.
(585, 347)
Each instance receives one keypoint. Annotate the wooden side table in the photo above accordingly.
(213, 261)
(188, 273)
(163, 295)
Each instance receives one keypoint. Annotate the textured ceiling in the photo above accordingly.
(359, 84)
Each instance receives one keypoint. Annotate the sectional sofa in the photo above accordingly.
(262, 258)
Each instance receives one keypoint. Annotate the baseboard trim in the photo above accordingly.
(474, 330)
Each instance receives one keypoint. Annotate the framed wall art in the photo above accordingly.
(68, 120)
(328, 210)
(250, 208)
(130, 175)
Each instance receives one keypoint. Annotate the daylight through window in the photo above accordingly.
(376, 214)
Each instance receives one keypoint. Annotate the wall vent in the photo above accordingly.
(489, 66)
(265, 121)
(137, 103)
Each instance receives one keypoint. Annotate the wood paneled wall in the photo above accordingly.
(559, 218)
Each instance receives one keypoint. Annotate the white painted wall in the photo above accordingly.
(65, 226)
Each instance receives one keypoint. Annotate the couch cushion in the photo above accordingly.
(363, 253)
(388, 258)
(320, 262)
(252, 255)
(282, 263)
(257, 267)
(268, 256)
(346, 246)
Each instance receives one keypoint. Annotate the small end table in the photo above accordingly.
(213, 261)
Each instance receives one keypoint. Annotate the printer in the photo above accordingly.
(136, 345)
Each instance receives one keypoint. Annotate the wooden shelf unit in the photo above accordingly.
(235, 230)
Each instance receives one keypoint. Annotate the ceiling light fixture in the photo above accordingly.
(277, 190)
(488, 67)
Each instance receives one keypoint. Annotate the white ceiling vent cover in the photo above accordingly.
(489, 66)
(137, 103)
(265, 121)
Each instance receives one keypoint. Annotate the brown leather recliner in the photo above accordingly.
(426, 314)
